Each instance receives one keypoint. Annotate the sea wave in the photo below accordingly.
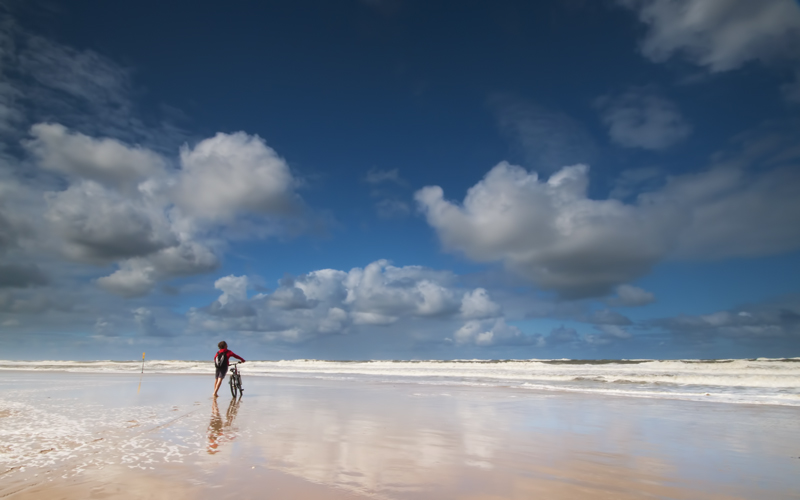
(759, 381)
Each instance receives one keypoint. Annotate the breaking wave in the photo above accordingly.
(754, 381)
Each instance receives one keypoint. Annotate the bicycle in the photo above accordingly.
(235, 381)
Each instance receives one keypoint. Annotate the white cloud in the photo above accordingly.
(107, 161)
(484, 333)
(548, 231)
(290, 297)
(234, 288)
(137, 276)
(119, 204)
(134, 278)
(372, 318)
(98, 224)
(323, 285)
(229, 174)
(335, 321)
(477, 304)
(631, 296)
(388, 291)
(553, 234)
(719, 34)
(330, 301)
(640, 118)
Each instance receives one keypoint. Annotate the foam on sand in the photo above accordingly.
(751, 381)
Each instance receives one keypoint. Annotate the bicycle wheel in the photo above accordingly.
(239, 385)
(232, 381)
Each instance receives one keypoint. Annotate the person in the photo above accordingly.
(221, 360)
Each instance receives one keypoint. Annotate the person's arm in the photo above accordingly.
(235, 356)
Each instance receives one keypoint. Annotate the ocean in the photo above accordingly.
(769, 381)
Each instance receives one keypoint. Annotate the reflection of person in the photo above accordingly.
(221, 360)
(216, 429)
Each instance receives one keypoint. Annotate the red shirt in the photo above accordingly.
(228, 354)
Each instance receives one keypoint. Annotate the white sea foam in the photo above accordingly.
(759, 381)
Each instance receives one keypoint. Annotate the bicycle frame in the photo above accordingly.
(235, 381)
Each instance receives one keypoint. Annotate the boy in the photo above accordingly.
(221, 362)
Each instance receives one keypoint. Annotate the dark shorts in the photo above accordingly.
(222, 370)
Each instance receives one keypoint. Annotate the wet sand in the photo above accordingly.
(65, 435)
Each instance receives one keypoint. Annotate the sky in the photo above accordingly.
(400, 179)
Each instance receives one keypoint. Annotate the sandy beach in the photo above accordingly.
(72, 435)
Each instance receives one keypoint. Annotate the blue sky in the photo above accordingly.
(393, 179)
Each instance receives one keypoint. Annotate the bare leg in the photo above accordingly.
(217, 383)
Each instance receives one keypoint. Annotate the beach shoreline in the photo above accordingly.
(368, 439)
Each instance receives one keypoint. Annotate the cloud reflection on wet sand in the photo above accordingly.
(398, 441)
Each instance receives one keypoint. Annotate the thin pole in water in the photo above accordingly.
(142, 362)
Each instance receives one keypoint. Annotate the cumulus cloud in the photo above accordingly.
(229, 174)
(550, 232)
(106, 161)
(553, 234)
(640, 118)
(329, 301)
(547, 139)
(119, 204)
(290, 297)
(386, 291)
(719, 35)
(101, 225)
(138, 276)
(234, 288)
(493, 332)
(108, 190)
(477, 304)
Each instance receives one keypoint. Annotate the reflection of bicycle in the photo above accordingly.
(236, 381)
(219, 432)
